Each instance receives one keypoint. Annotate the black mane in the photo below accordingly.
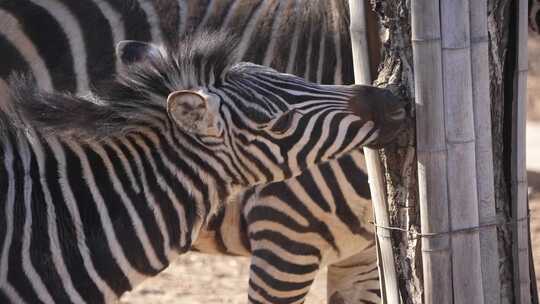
(125, 102)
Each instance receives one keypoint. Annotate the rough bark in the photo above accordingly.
(396, 72)
(498, 28)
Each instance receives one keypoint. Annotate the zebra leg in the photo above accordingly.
(279, 275)
(355, 279)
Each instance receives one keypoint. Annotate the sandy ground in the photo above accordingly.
(533, 164)
(198, 278)
(533, 148)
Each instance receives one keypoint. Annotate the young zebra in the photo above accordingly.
(101, 192)
(309, 38)
(293, 228)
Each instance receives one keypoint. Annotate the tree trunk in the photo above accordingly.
(396, 69)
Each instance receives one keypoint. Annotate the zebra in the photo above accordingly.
(104, 190)
(293, 228)
(69, 46)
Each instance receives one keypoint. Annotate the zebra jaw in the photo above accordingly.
(194, 112)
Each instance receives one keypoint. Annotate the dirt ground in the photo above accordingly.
(533, 148)
(533, 175)
(198, 278)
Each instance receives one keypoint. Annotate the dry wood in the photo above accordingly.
(431, 150)
(362, 74)
(484, 153)
(384, 240)
(359, 42)
(519, 173)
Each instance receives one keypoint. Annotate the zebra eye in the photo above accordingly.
(283, 123)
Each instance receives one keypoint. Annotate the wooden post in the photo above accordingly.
(522, 279)
(376, 177)
(484, 152)
(431, 151)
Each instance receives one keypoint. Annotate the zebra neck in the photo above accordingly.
(143, 179)
(167, 174)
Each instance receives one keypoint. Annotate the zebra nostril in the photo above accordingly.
(398, 114)
(395, 109)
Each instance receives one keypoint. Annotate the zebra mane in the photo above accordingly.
(137, 94)
(200, 59)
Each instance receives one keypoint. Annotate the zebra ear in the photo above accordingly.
(130, 51)
(192, 112)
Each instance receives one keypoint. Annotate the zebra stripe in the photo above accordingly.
(92, 30)
(153, 21)
(57, 64)
(8, 218)
(88, 271)
(53, 228)
(72, 29)
(18, 50)
(149, 252)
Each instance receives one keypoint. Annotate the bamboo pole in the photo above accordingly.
(519, 174)
(362, 75)
(460, 145)
(431, 151)
(484, 153)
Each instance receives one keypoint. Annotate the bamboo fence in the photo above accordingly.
(522, 279)
(431, 151)
(362, 75)
(460, 149)
(454, 152)
(484, 152)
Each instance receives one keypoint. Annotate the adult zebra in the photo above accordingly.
(103, 191)
(294, 227)
(69, 45)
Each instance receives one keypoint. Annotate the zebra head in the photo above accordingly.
(272, 124)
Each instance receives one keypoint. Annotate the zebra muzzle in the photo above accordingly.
(386, 110)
